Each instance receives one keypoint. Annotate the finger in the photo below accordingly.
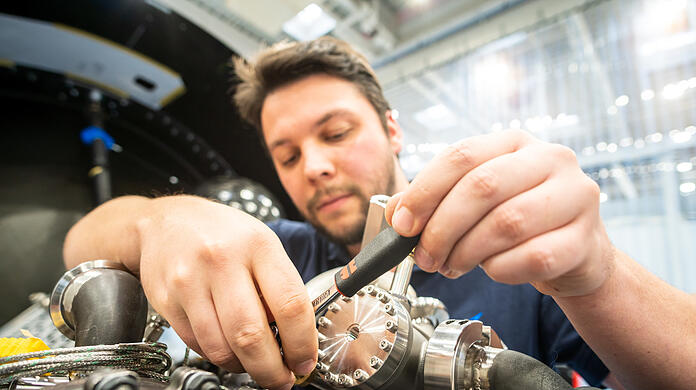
(179, 322)
(543, 208)
(208, 332)
(287, 298)
(478, 192)
(245, 326)
(391, 205)
(432, 184)
(539, 259)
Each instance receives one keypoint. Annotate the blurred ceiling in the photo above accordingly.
(379, 29)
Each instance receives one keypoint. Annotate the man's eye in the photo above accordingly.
(289, 160)
(337, 135)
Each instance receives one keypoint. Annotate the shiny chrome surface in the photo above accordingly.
(402, 276)
(446, 365)
(363, 345)
(59, 291)
(481, 377)
(375, 221)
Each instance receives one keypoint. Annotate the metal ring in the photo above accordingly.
(56, 302)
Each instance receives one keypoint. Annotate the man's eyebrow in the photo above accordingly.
(329, 115)
(278, 143)
(325, 118)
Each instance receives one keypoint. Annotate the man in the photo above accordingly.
(519, 209)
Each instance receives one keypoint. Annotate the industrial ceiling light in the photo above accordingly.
(243, 194)
(310, 23)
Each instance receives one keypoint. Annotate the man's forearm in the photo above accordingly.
(641, 327)
(108, 232)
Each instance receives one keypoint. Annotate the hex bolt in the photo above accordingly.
(334, 307)
(324, 322)
(391, 326)
(385, 345)
(333, 378)
(375, 362)
(370, 290)
(322, 367)
(345, 380)
(389, 309)
(382, 297)
(360, 375)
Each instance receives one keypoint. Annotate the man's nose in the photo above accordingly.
(318, 163)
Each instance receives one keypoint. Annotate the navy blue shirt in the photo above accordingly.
(526, 320)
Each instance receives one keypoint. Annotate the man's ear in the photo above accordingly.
(395, 133)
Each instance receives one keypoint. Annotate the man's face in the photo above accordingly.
(330, 151)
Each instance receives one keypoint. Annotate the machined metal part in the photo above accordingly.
(427, 313)
(155, 327)
(402, 276)
(37, 382)
(456, 356)
(358, 349)
(375, 221)
(112, 379)
(189, 378)
(99, 302)
(73, 276)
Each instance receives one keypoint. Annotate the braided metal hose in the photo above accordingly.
(148, 360)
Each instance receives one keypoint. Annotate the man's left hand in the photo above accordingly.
(520, 208)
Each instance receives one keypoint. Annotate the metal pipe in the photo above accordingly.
(99, 302)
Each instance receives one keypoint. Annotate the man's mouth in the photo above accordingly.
(332, 203)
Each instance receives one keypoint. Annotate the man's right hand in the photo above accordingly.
(218, 276)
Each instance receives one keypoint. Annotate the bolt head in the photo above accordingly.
(360, 375)
(323, 322)
(385, 345)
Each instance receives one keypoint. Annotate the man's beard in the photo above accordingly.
(353, 233)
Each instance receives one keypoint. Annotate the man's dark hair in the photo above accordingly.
(286, 62)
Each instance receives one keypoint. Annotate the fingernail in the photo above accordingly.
(305, 367)
(402, 221)
(423, 259)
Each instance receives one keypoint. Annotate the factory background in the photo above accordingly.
(615, 80)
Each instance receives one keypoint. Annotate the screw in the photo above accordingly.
(334, 307)
(391, 326)
(324, 322)
(361, 292)
(321, 354)
(375, 362)
(382, 297)
(360, 375)
(344, 379)
(346, 299)
(333, 378)
(322, 367)
(385, 345)
(321, 337)
(370, 290)
(389, 309)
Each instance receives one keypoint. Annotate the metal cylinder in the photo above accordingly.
(99, 302)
